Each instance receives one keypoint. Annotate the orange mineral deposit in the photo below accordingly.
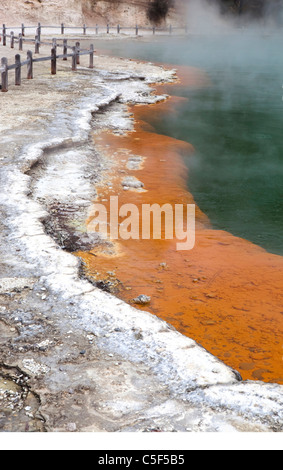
(226, 293)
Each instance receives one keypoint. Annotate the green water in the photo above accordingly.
(235, 126)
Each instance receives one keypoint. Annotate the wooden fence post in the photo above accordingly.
(12, 40)
(39, 32)
(29, 65)
(65, 49)
(74, 59)
(54, 43)
(23, 30)
(78, 48)
(53, 61)
(137, 30)
(4, 74)
(96, 29)
(20, 42)
(62, 28)
(91, 56)
(4, 34)
(18, 70)
(118, 29)
(84, 29)
(37, 45)
(108, 29)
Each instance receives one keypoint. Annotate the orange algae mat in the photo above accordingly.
(226, 293)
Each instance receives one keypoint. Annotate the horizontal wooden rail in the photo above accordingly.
(36, 41)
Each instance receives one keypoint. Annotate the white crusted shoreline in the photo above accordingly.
(188, 388)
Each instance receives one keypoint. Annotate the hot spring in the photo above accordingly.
(218, 141)
(235, 126)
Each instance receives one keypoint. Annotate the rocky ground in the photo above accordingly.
(72, 357)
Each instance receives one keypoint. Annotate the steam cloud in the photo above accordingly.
(208, 16)
(205, 17)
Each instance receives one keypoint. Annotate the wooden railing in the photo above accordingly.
(76, 53)
(96, 29)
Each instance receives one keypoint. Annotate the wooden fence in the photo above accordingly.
(96, 29)
(75, 54)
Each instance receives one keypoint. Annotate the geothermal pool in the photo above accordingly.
(217, 142)
(235, 126)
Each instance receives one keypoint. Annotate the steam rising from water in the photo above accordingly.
(206, 17)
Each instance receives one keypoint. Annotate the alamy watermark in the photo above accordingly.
(150, 222)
